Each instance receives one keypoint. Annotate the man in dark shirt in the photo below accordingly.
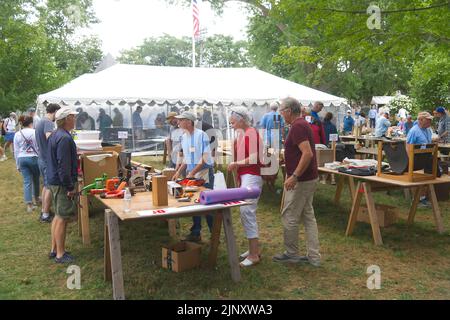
(44, 129)
(62, 178)
(299, 187)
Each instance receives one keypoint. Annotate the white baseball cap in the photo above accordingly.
(64, 112)
(187, 115)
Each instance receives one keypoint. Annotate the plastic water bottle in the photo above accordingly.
(127, 200)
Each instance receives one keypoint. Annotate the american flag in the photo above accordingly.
(196, 15)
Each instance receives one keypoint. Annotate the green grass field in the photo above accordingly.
(414, 262)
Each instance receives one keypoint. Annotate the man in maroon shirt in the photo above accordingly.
(299, 188)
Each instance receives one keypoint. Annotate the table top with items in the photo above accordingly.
(142, 206)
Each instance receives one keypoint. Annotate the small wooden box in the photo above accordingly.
(159, 191)
(387, 215)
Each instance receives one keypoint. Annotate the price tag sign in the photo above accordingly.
(123, 134)
(334, 137)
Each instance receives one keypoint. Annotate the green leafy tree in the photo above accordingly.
(164, 51)
(430, 84)
(38, 52)
(215, 51)
(328, 44)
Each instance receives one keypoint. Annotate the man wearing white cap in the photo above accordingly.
(421, 133)
(62, 177)
(197, 162)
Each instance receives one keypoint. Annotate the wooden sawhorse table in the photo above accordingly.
(142, 208)
(366, 185)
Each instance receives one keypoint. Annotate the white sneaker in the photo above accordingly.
(4, 158)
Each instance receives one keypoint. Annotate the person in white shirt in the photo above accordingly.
(9, 125)
(26, 154)
(402, 113)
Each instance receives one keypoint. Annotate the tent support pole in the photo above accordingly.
(227, 115)
(132, 128)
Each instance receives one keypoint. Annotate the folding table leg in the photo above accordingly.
(436, 210)
(231, 246)
(115, 255)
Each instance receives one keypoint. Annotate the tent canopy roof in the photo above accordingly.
(181, 85)
(382, 99)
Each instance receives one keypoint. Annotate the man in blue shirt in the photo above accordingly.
(349, 122)
(373, 116)
(62, 176)
(382, 126)
(197, 162)
(421, 134)
(269, 122)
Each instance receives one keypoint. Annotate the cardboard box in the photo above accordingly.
(181, 256)
(116, 148)
(387, 215)
(95, 168)
(324, 156)
(174, 189)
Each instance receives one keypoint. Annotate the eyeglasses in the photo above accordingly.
(284, 110)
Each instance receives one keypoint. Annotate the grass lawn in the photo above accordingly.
(414, 262)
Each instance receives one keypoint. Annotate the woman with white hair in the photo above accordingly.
(247, 149)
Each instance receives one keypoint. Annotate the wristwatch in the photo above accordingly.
(295, 176)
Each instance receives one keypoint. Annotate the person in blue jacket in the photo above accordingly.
(349, 122)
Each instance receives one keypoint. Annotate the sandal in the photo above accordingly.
(246, 254)
(248, 263)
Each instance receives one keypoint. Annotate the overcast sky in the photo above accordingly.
(126, 23)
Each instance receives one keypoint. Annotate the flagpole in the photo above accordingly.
(193, 51)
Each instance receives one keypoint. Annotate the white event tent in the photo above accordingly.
(182, 85)
(158, 88)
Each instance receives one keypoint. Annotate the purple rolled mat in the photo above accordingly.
(235, 194)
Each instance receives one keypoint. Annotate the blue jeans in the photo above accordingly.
(197, 220)
(43, 170)
(30, 171)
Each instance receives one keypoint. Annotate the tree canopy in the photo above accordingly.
(38, 49)
(216, 51)
(337, 46)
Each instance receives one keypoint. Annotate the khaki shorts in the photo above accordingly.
(64, 207)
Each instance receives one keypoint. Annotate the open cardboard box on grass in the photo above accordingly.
(181, 256)
(387, 215)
